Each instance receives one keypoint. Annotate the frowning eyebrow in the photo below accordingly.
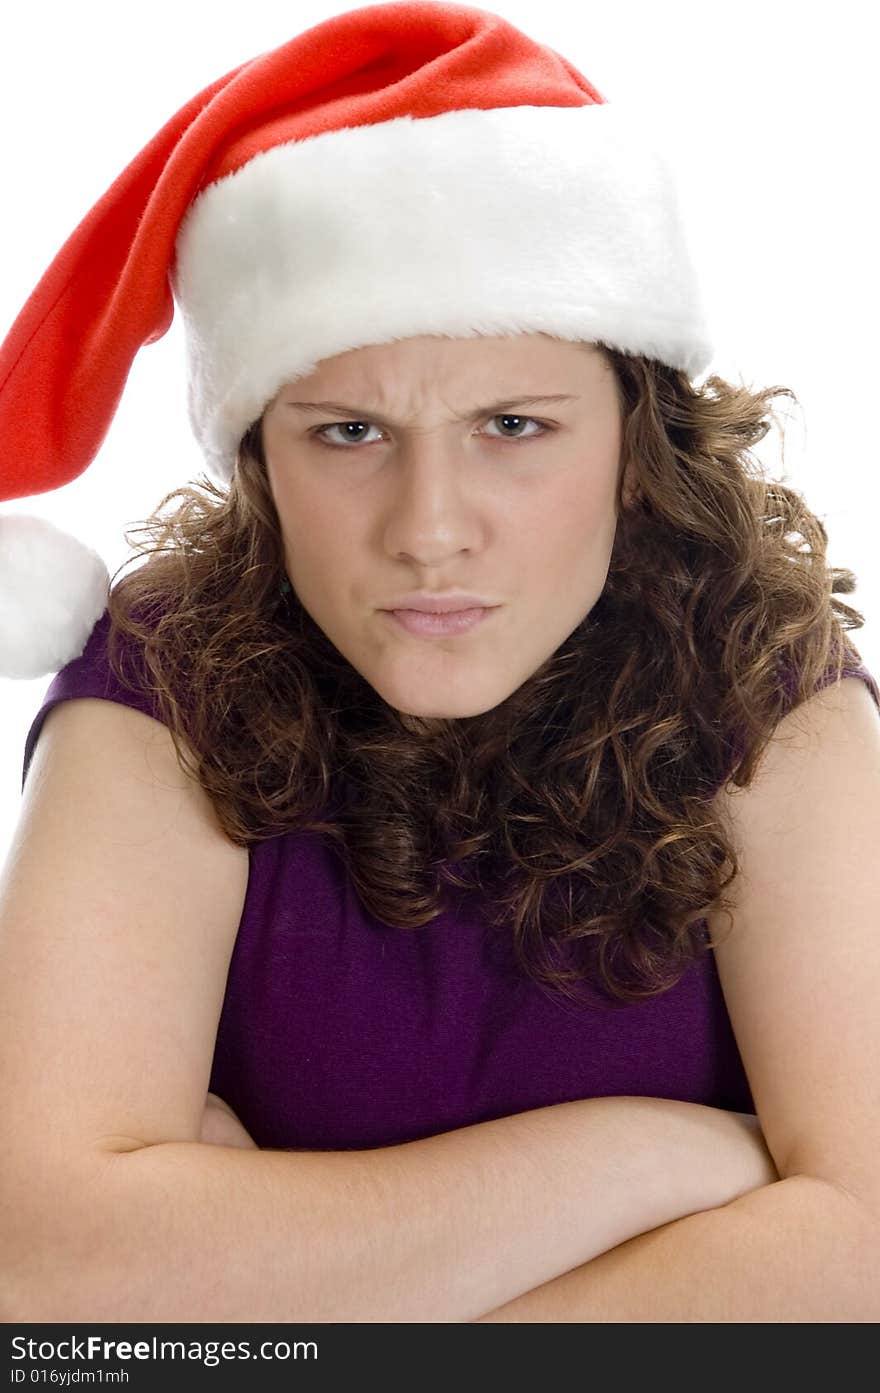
(365, 414)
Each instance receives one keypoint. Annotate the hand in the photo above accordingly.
(221, 1127)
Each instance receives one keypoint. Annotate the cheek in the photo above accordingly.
(572, 519)
(307, 516)
(322, 541)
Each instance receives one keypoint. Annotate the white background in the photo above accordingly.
(768, 110)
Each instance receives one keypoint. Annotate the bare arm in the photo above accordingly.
(441, 1229)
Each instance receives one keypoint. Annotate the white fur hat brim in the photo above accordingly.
(524, 219)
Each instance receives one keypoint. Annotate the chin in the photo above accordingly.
(432, 708)
(442, 694)
(444, 713)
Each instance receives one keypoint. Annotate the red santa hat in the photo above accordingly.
(397, 170)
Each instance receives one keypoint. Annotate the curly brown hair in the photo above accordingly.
(580, 809)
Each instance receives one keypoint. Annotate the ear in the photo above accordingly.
(629, 488)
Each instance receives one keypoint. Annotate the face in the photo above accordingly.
(433, 471)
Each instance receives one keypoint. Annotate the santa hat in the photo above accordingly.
(397, 170)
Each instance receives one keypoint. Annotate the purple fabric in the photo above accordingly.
(339, 1032)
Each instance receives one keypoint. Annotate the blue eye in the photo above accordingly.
(351, 440)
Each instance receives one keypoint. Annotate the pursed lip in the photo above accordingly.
(447, 603)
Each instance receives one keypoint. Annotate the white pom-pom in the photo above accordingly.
(53, 590)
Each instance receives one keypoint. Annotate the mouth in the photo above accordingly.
(420, 622)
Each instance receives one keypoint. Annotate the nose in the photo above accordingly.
(431, 511)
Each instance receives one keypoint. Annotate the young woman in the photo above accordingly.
(362, 963)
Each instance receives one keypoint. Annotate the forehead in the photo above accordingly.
(518, 357)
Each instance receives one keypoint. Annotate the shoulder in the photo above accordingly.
(810, 749)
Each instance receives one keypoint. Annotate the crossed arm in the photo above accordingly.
(797, 1249)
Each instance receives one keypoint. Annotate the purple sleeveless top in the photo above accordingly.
(339, 1032)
